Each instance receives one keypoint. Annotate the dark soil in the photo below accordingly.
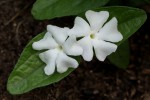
(91, 80)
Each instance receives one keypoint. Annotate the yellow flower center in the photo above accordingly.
(92, 36)
(60, 47)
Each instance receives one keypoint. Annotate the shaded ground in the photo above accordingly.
(91, 81)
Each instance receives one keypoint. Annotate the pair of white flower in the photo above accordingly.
(62, 42)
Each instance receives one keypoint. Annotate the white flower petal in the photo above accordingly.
(87, 47)
(96, 19)
(71, 47)
(81, 28)
(64, 62)
(109, 32)
(103, 49)
(49, 57)
(59, 34)
(46, 43)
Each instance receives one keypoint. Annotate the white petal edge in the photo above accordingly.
(103, 49)
(59, 34)
(46, 43)
(71, 47)
(64, 62)
(96, 19)
(49, 57)
(80, 28)
(87, 47)
(110, 32)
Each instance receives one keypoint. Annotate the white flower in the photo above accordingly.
(96, 34)
(59, 45)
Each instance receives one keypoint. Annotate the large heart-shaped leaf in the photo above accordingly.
(28, 72)
(48, 9)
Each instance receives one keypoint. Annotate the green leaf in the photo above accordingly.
(48, 9)
(28, 72)
(121, 57)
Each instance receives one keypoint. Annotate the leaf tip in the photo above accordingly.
(10, 89)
